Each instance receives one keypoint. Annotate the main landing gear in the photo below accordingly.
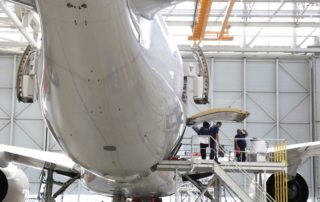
(45, 193)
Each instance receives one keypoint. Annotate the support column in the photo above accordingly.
(217, 190)
(245, 103)
(294, 30)
(244, 93)
(264, 184)
(49, 187)
(312, 125)
(13, 99)
(277, 100)
(79, 191)
(257, 178)
(244, 36)
(46, 137)
(316, 120)
(245, 90)
(294, 37)
(176, 186)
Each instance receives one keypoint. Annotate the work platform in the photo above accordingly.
(199, 165)
(222, 177)
(241, 181)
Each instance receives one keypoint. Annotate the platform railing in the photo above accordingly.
(228, 146)
(260, 193)
(281, 178)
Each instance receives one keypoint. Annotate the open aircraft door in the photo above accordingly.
(218, 114)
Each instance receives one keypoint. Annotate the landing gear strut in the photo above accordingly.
(45, 193)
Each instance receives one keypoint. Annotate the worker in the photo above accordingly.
(240, 143)
(214, 141)
(203, 133)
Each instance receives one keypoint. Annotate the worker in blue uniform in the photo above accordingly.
(214, 141)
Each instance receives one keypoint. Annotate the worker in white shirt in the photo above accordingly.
(203, 133)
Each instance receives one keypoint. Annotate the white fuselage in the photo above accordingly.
(111, 93)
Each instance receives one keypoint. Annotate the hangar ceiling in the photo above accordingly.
(257, 26)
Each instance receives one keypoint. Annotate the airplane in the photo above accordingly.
(110, 82)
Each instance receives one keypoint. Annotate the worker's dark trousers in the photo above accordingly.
(203, 150)
(243, 156)
(213, 152)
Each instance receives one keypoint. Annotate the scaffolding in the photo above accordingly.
(207, 178)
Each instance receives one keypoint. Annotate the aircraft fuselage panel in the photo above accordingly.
(111, 99)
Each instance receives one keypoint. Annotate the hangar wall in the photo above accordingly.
(22, 124)
(276, 91)
(316, 116)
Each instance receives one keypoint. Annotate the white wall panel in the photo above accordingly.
(5, 102)
(294, 100)
(294, 76)
(4, 131)
(262, 107)
(262, 130)
(29, 133)
(53, 145)
(6, 71)
(28, 111)
(295, 133)
(228, 99)
(294, 108)
(261, 98)
(228, 75)
(261, 75)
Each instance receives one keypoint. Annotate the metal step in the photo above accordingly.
(231, 183)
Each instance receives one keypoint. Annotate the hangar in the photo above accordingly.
(260, 56)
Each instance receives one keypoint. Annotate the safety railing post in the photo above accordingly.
(176, 186)
(281, 178)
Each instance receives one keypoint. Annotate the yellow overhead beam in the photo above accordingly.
(201, 21)
(225, 27)
(199, 30)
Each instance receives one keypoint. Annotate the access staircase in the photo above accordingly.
(189, 167)
(194, 170)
